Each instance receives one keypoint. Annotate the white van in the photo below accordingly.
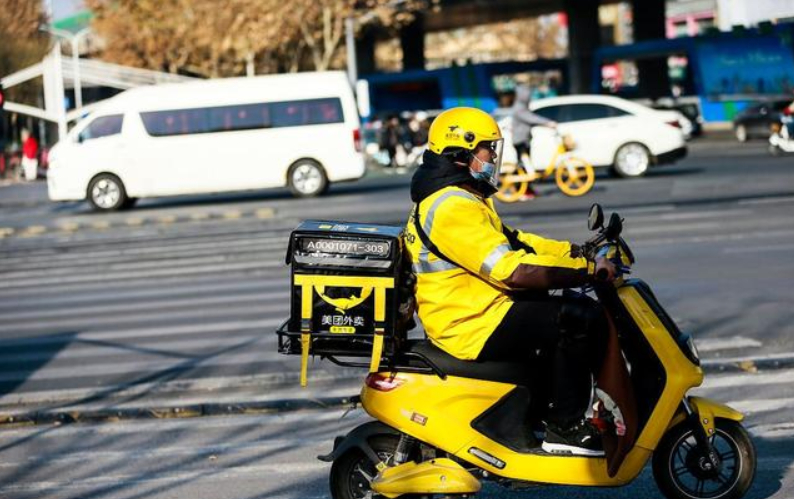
(299, 130)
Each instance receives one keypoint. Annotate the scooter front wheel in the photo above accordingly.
(681, 469)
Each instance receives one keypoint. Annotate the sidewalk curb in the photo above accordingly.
(748, 365)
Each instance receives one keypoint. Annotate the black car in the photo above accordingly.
(755, 120)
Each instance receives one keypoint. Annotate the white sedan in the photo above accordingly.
(610, 131)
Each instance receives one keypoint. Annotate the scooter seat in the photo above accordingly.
(502, 372)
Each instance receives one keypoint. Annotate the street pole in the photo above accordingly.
(78, 85)
(59, 94)
(350, 42)
(74, 40)
(78, 89)
(250, 70)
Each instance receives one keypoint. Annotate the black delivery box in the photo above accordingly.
(345, 290)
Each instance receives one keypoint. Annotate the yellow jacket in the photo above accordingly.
(461, 307)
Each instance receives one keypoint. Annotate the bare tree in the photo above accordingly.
(21, 43)
(211, 39)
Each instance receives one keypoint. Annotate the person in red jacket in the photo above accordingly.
(30, 155)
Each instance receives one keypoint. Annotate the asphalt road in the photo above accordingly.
(175, 303)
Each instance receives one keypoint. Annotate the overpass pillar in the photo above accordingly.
(649, 24)
(365, 52)
(584, 36)
(412, 41)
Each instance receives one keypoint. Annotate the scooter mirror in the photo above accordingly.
(595, 220)
(614, 227)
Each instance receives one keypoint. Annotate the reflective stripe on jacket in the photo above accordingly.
(461, 307)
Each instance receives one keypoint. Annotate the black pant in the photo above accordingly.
(570, 332)
(521, 148)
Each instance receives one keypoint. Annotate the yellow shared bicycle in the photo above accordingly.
(573, 175)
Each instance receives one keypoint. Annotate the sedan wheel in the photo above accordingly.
(632, 160)
(741, 133)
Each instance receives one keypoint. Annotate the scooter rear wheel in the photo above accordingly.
(352, 472)
(677, 463)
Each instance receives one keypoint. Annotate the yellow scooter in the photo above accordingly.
(443, 426)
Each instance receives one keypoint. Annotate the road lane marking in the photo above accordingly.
(147, 306)
(204, 425)
(721, 214)
(784, 376)
(166, 219)
(761, 201)
(33, 230)
(110, 334)
(757, 406)
(759, 249)
(734, 342)
(773, 431)
(264, 213)
(108, 393)
(60, 325)
(183, 477)
(82, 296)
(755, 235)
(165, 272)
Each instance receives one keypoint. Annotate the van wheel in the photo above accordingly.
(306, 178)
(106, 193)
(632, 160)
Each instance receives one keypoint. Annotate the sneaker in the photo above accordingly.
(581, 439)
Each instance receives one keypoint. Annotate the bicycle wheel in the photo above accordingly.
(574, 176)
(509, 191)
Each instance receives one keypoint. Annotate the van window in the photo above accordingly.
(243, 117)
(307, 112)
(102, 126)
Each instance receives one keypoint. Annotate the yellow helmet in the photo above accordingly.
(463, 127)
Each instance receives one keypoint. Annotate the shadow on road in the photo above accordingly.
(20, 358)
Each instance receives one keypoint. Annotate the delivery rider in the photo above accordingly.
(483, 288)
